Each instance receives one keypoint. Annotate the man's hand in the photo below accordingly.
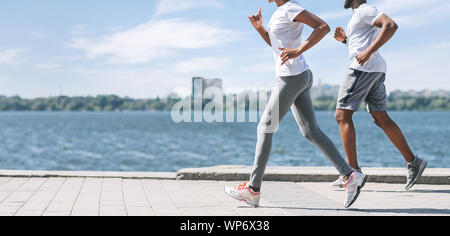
(363, 57)
(256, 20)
(288, 53)
(339, 34)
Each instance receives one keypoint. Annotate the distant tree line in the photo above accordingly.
(419, 104)
(98, 103)
(115, 103)
(409, 103)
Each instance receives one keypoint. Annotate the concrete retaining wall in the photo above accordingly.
(241, 173)
(310, 174)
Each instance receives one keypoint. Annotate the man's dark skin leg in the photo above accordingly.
(345, 118)
(348, 135)
(382, 119)
(394, 133)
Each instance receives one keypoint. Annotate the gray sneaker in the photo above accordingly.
(415, 171)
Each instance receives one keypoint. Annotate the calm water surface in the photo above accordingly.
(150, 141)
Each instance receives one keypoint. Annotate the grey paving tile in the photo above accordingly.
(29, 213)
(4, 180)
(10, 187)
(116, 197)
(64, 200)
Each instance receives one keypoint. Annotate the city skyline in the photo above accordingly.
(149, 49)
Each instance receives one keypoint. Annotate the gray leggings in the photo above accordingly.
(292, 92)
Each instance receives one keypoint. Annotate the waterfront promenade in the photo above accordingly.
(39, 193)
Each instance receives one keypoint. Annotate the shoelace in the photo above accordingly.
(412, 164)
(349, 180)
(409, 165)
(242, 186)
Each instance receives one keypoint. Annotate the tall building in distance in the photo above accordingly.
(199, 85)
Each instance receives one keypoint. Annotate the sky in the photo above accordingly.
(144, 49)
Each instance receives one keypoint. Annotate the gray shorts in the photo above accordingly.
(359, 87)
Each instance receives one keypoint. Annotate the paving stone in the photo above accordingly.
(136, 197)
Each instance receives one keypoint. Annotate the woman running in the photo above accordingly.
(292, 93)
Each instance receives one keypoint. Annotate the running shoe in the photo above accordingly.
(415, 171)
(244, 193)
(339, 183)
(353, 187)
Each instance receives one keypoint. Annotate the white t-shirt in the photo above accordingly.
(361, 34)
(286, 33)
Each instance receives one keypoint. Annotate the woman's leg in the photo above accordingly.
(282, 98)
(304, 114)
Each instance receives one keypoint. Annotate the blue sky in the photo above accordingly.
(151, 48)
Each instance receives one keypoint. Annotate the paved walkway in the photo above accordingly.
(115, 196)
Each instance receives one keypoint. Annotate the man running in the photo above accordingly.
(368, 30)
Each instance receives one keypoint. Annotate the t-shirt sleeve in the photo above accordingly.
(369, 14)
(293, 11)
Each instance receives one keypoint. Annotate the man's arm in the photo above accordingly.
(388, 29)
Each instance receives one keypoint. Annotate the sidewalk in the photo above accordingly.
(104, 196)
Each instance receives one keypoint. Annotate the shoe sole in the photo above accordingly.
(358, 191)
(242, 200)
(364, 182)
(423, 166)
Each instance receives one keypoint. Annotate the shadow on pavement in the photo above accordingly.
(404, 191)
(413, 211)
(432, 191)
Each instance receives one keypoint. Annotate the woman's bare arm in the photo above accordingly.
(320, 30)
(257, 22)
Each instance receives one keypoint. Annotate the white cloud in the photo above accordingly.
(155, 39)
(171, 6)
(12, 56)
(405, 5)
(201, 64)
(133, 82)
(149, 81)
(46, 66)
(424, 16)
